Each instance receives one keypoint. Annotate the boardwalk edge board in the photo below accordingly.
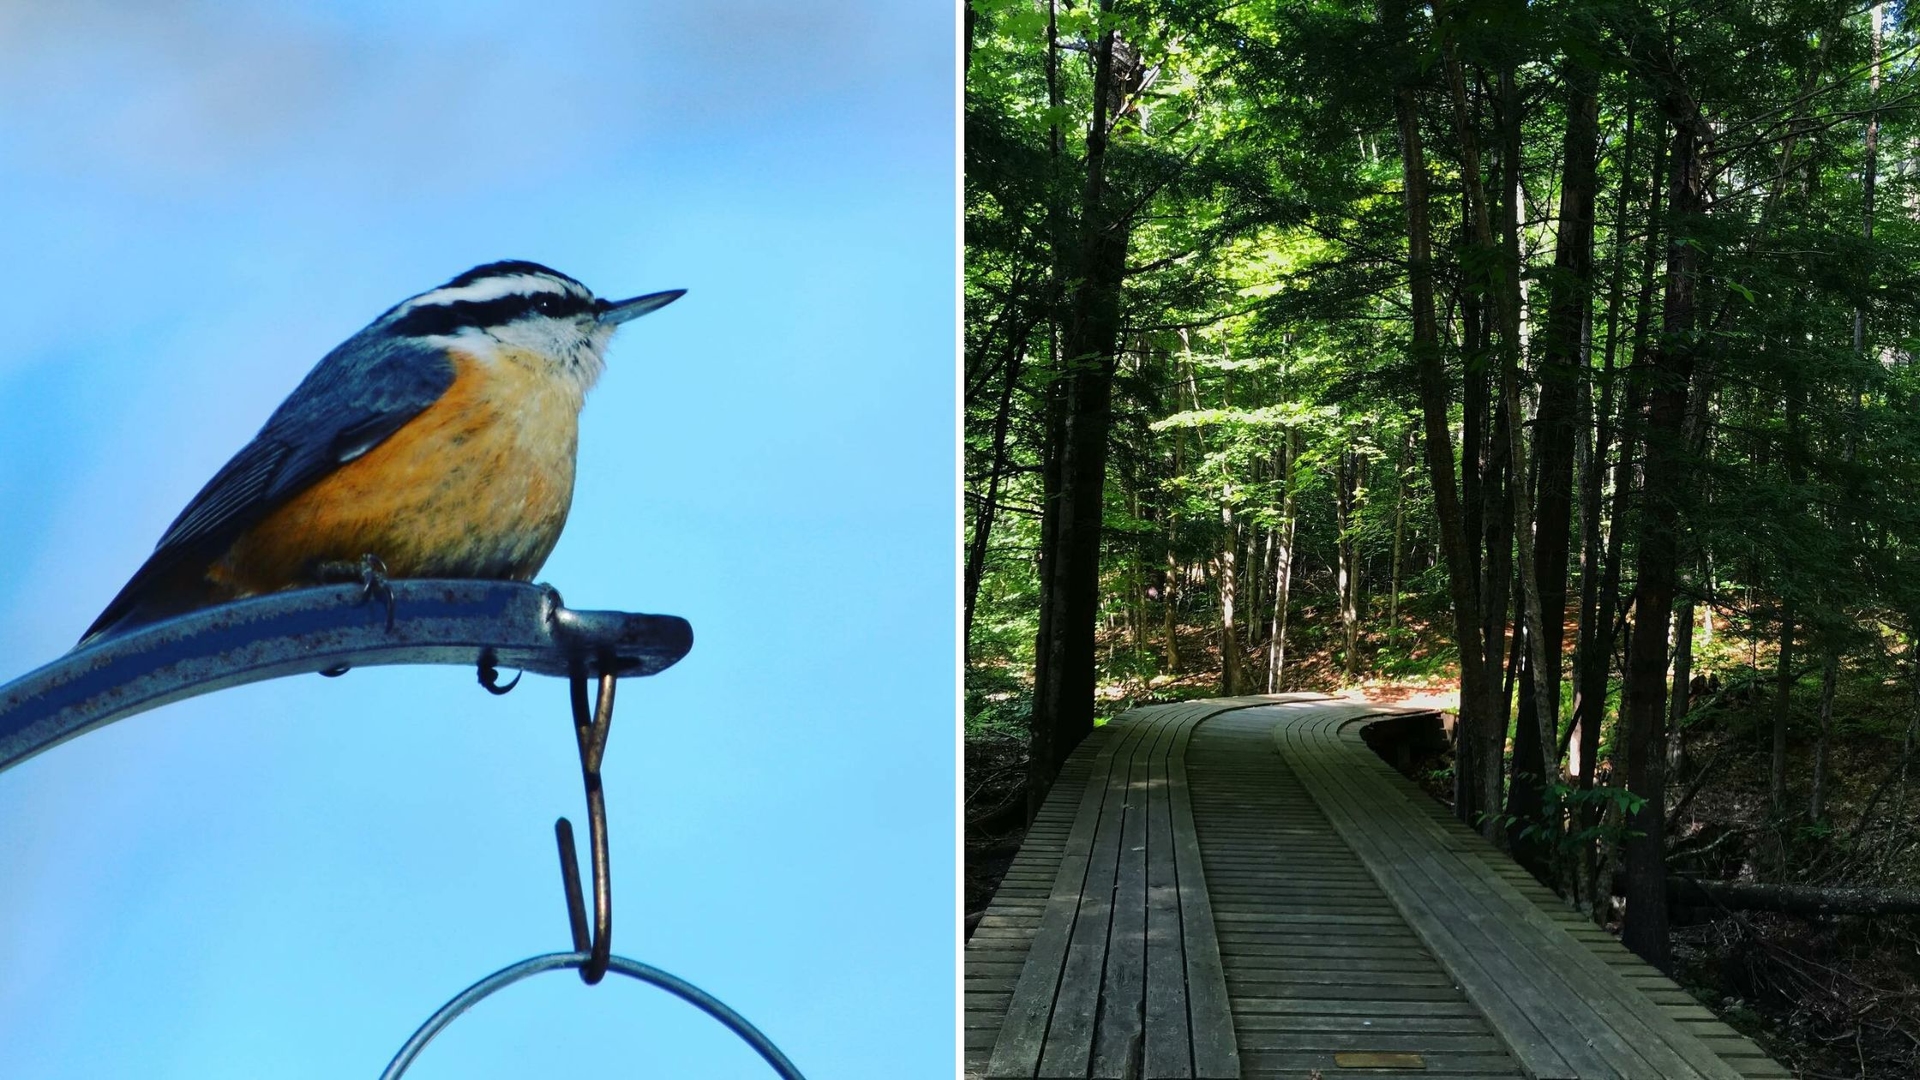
(1123, 977)
(1265, 897)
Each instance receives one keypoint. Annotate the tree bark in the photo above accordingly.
(1283, 570)
(1560, 367)
(1399, 535)
(1231, 681)
(1169, 623)
(1064, 676)
(1645, 931)
(1597, 623)
(1682, 682)
(1501, 477)
(1829, 679)
(1475, 695)
(989, 505)
(1782, 702)
(1346, 483)
(966, 56)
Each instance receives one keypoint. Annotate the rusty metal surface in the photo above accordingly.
(465, 623)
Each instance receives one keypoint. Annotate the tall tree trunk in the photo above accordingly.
(990, 501)
(1283, 569)
(1782, 705)
(1503, 475)
(1346, 483)
(1064, 676)
(1540, 682)
(1829, 679)
(1599, 624)
(1475, 693)
(1169, 623)
(1868, 179)
(1042, 746)
(1230, 678)
(1526, 794)
(1136, 584)
(1555, 432)
(1497, 579)
(1645, 931)
(1399, 533)
(1170, 593)
(1682, 682)
(1698, 423)
(966, 60)
(1830, 676)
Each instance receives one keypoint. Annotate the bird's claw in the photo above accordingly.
(373, 583)
(490, 678)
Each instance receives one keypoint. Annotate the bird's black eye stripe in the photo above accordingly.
(434, 319)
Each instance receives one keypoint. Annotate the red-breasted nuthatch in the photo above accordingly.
(437, 442)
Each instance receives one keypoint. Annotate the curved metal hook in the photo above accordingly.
(590, 730)
(633, 969)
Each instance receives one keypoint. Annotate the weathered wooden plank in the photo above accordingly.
(1420, 1042)
(1430, 865)
(1216, 1054)
(1067, 1050)
(1449, 1065)
(1587, 1037)
(1119, 1034)
(1295, 961)
(1629, 1012)
(1386, 1025)
(1265, 949)
(1306, 904)
(1245, 1006)
(1314, 959)
(1513, 973)
(1339, 976)
(1168, 1049)
(1482, 976)
(1022, 1036)
(1080, 1003)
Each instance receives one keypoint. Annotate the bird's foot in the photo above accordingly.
(490, 676)
(371, 574)
(373, 582)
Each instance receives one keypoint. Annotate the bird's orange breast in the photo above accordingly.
(476, 486)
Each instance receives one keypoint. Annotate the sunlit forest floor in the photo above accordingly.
(1831, 998)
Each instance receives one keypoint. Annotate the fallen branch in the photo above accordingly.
(1816, 900)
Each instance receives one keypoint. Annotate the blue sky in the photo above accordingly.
(284, 879)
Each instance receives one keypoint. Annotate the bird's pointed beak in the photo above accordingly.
(620, 311)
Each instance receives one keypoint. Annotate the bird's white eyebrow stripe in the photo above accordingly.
(492, 288)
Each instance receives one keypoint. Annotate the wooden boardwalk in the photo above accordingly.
(1239, 887)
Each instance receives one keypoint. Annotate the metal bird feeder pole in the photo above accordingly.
(485, 625)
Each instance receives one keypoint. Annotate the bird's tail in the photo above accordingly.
(165, 586)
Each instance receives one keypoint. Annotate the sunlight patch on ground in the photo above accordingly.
(1419, 697)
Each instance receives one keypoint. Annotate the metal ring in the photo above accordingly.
(634, 969)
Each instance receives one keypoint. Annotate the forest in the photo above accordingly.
(1553, 360)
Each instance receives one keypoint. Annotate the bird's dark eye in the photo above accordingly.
(547, 305)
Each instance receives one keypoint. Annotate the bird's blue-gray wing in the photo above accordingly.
(357, 395)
